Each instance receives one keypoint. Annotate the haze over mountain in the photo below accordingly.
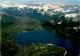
(44, 11)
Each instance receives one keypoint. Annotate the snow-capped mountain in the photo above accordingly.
(49, 8)
(42, 10)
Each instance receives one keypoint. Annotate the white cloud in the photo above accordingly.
(0, 0)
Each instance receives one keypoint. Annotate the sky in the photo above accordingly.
(23, 1)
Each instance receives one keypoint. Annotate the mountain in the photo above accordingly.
(42, 8)
(63, 18)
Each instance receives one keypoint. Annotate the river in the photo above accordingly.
(48, 37)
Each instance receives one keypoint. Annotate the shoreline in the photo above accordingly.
(59, 47)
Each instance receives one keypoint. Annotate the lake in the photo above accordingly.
(48, 37)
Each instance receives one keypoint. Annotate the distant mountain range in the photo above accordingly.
(42, 10)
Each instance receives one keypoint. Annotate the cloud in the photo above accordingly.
(78, 0)
(0, 0)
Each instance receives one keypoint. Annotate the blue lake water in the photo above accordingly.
(48, 37)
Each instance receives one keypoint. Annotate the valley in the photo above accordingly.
(32, 17)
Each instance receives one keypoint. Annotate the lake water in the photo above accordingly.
(48, 37)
